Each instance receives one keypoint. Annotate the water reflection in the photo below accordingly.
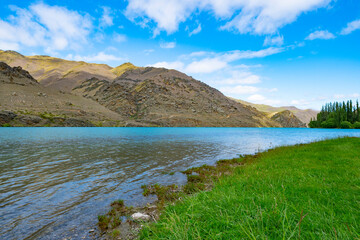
(55, 181)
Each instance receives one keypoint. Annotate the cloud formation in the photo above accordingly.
(168, 44)
(243, 16)
(324, 34)
(99, 57)
(351, 26)
(106, 19)
(274, 40)
(40, 26)
(208, 62)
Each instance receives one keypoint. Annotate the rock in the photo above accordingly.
(15, 75)
(40, 94)
(6, 116)
(140, 217)
(14, 94)
(29, 120)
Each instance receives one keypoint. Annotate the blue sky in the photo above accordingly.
(298, 52)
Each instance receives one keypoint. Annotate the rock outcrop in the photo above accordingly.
(15, 75)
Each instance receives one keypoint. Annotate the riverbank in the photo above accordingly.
(307, 191)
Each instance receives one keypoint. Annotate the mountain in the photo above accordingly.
(59, 73)
(122, 96)
(303, 115)
(25, 102)
(162, 97)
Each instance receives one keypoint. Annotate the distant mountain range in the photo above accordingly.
(70, 93)
(303, 115)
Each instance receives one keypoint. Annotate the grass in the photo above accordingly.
(300, 192)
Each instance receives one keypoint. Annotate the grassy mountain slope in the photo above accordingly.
(59, 73)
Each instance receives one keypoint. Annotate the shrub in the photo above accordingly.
(356, 125)
(330, 123)
(345, 125)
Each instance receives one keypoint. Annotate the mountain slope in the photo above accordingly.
(61, 74)
(303, 115)
(25, 102)
(162, 97)
(288, 119)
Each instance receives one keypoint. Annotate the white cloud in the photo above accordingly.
(51, 27)
(243, 16)
(256, 98)
(100, 57)
(274, 41)
(239, 77)
(119, 37)
(346, 96)
(239, 90)
(168, 44)
(324, 34)
(237, 54)
(148, 51)
(351, 26)
(260, 99)
(209, 62)
(106, 19)
(207, 65)
(9, 46)
(169, 65)
(196, 30)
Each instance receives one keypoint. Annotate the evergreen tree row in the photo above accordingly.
(338, 115)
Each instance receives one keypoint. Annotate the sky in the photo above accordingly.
(296, 52)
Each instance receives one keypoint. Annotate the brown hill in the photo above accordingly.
(61, 74)
(288, 119)
(162, 97)
(24, 102)
(303, 115)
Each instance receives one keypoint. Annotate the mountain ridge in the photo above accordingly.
(304, 115)
(138, 96)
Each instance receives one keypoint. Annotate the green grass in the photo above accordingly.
(299, 192)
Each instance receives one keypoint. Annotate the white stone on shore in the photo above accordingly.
(140, 216)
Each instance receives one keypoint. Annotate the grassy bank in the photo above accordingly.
(299, 192)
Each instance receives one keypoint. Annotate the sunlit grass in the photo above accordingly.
(300, 192)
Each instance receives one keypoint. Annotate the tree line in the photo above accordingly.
(338, 115)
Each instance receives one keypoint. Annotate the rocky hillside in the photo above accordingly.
(303, 115)
(288, 119)
(61, 74)
(123, 96)
(162, 97)
(24, 102)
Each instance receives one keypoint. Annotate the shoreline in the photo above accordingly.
(199, 180)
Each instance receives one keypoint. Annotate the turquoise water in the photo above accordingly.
(55, 181)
